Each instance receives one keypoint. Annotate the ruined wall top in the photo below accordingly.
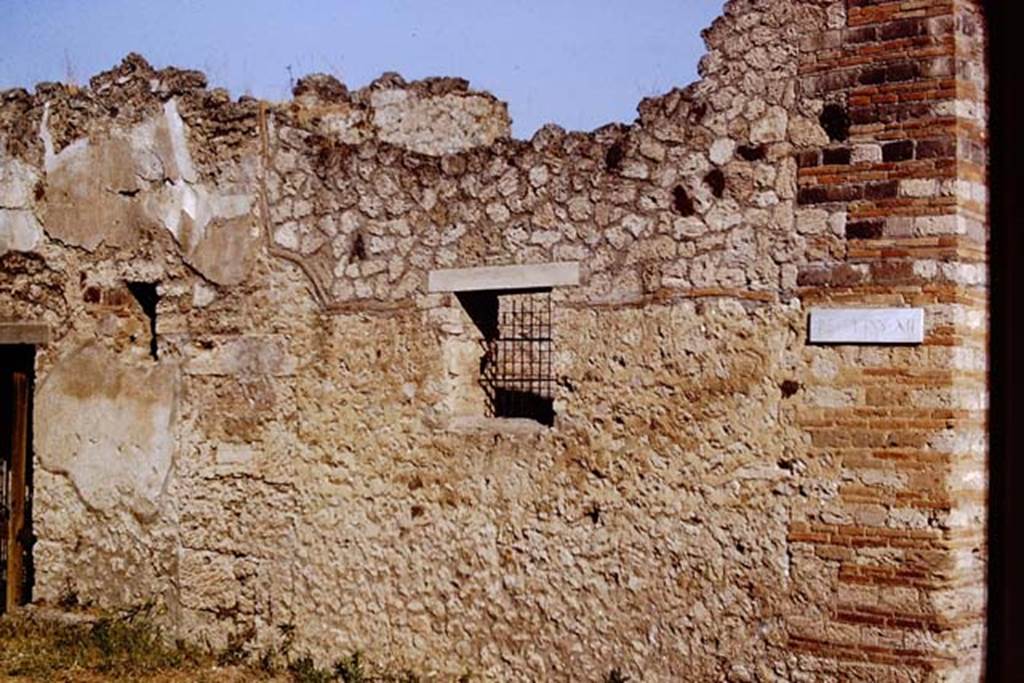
(368, 190)
(433, 116)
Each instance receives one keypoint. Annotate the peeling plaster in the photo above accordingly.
(109, 425)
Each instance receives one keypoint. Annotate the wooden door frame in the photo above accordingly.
(16, 379)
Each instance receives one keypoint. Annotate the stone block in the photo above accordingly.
(24, 333)
(541, 275)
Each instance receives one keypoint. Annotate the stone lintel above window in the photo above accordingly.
(496, 278)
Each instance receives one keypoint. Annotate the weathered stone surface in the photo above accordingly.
(227, 250)
(438, 125)
(108, 191)
(89, 188)
(242, 356)
(722, 150)
(771, 127)
(716, 499)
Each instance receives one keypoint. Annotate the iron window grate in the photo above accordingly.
(516, 370)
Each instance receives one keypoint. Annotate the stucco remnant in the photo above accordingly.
(20, 229)
(110, 191)
(110, 427)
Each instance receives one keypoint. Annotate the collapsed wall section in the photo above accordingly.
(288, 452)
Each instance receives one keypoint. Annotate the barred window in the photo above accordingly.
(498, 344)
(516, 369)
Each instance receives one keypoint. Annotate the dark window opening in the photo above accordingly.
(516, 369)
(147, 296)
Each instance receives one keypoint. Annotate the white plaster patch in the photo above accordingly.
(74, 152)
(203, 295)
(179, 144)
(17, 183)
(109, 426)
(19, 230)
(178, 200)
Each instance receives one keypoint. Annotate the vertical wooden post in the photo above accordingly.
(18, 472)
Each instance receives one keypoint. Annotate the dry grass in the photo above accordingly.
(87, 647)
(123, 647)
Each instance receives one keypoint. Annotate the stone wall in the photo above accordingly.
(276, 442)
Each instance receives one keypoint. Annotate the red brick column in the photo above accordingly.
(888, 543)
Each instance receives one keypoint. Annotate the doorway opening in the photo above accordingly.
(17, 375)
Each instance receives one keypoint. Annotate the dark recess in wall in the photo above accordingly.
(682, 202)
(147, 296)
(614, 156)
(1005, 656)
(715, 180)
(836, 122)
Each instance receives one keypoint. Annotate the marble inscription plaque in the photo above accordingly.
(867, 326)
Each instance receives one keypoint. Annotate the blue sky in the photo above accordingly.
(578, 63)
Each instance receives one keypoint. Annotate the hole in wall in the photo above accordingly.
(358, 250)
(614, 156)
(148, 297)
(698, 112)
(715, 180)
(835, 121)
(751, 152)
(682, 201)
(789, 388)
